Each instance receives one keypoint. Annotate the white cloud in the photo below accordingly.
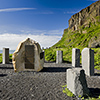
(15, 9)
(10, 36)
(21, 9)
(12, 40)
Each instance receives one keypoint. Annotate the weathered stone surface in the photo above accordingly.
(28, 56)
(5, 55)
(85, 16)
(75, 57)
(88, 61)
(76, 81)
(59, 57)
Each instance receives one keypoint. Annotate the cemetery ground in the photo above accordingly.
(44, 85)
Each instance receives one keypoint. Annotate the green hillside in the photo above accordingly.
(76, 39)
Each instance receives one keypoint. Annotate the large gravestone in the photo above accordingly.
(28, 56)
(88, 61)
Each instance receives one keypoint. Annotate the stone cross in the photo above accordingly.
(5, 56)
(88, 61)
(59, 57)
(75, 57)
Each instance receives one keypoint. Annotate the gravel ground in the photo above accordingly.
(44, 85)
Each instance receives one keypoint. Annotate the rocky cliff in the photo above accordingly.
(83, 31)
(85, 16)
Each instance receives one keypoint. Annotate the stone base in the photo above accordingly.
(76, 81)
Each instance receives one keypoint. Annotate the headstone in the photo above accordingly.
(88, 61)
(59, 57)
(28, 56)
(75, 57)
(76, 82)
(5, 56)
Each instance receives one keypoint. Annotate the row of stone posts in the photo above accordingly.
(75, 76)
(5, 57)
(87, 60)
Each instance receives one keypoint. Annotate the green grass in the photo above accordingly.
(70, 94)
(78, 40)
(10, 58)
(67, 91)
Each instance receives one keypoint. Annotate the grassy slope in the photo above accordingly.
(75, 40)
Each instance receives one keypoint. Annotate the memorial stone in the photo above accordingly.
(88, 61)
(75, 57)
(59, 57)
(5, 55)
(28, 56)
(76, 82)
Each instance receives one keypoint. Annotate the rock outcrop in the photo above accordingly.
(85, 16)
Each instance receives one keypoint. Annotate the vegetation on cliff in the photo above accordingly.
(77, 39)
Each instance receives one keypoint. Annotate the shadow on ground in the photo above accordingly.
(6, 67)
(2, 75)
(94, 92)
(54, 69)
(97, 74)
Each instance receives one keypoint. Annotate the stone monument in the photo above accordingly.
(5, 57)
(76, 82)
(88, 61)
(28, 56)
(59, 57)
(75, 57)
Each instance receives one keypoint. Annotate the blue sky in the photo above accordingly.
(41, 20)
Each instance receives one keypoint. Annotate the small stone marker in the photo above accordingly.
(59, 57)
(76, 82)
(5, 55)
(28, 56)
(43, 55)
(75, 57)
(88, 61)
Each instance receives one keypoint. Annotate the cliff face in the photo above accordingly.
(85, 16)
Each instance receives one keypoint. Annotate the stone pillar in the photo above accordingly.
(88, 61)
(59, 57)
(75, 57)
(5, 56)
(76, 81)
(44, 55)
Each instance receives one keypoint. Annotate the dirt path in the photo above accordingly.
(44, 85)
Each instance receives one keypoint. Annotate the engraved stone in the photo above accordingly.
(28, 56)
